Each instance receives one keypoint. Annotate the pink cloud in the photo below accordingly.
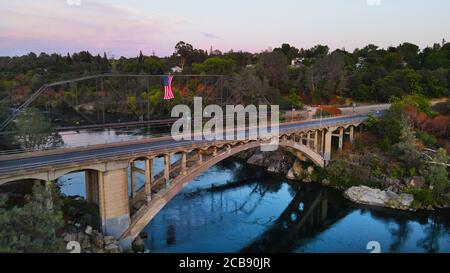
(92, 25)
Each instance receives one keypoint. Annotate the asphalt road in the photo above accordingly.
(80, 156)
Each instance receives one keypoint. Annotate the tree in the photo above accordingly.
(183, 50)
(327, 77)
(289, 51)
(36, 81)
(33, 227)
(437, 176)
(35, 132)
(152, 65)
(274, 67)
(246, 87)
(215, 65)
(292, 100)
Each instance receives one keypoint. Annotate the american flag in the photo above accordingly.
(168, 94)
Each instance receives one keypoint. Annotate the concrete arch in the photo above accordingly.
(60, 173)
(37, 176)
(160, 200)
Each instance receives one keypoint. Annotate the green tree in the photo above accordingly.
(33, 227)
(274, 67)
(418, 101)
(437, 175)
(215, 65)
(184, 51)
(35, 131)
(292, 100)
(327, 77)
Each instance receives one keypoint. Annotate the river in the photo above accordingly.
(235, 207)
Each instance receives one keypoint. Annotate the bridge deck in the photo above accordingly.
(96, 153)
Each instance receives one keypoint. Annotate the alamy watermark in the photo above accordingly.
(241, 123)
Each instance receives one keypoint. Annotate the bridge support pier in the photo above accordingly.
(167, 169)
(183, 163)
(114, 203)
(341, 138)
(148, 178)
(327, 153)
(316, 141)
(200, 157)
(351, 133)
(91, 180)
(133, 179)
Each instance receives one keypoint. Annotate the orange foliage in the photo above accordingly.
(417, 117)
(439, 126)
(332, 110)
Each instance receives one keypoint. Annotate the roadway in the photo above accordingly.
(37, 160)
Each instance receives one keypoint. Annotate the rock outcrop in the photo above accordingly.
(297, 172)
(90, 241)
(276, 162)
(375, 197)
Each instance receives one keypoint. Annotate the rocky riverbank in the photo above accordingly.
(88, 240)
(376, 197)
(278, 162)
(393, 196)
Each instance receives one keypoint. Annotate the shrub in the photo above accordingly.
(422, 197)
(428, 140)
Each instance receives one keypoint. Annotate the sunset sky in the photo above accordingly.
(121, 27)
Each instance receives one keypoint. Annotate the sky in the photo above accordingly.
(124, 27)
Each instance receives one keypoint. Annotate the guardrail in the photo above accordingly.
(130, 138)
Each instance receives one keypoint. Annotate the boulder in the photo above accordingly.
(416, 182)
(112, 248)
(88, 230)
(256, 159)
(109, 240)
(377, 197)
(296, 171)
(326, 182)
(138, 245)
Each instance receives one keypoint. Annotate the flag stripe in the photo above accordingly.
(168, 94)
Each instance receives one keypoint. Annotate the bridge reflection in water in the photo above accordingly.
(252, 213)
(309, 213)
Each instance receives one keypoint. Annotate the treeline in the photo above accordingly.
(285, 75)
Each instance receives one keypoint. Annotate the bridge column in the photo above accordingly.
(167, 169)
(200, 157)
(322, 141)
(351, 133)
(341, 138)
(327, 152)
(316, 140)
(308, 139)
(148, 178)
(114, 203)
(91, 180)
(133, 179)
(183, 163)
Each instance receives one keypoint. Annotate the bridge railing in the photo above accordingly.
(92, 140)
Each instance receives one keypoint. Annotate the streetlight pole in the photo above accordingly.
(292, 113)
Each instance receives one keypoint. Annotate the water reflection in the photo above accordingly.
(237, 208)
(234, 207)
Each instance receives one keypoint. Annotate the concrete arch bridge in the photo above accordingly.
(111, 169)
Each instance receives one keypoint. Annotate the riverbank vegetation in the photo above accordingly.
(45, 220)
(403, 151)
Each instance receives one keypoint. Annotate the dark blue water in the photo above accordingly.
(234, 207)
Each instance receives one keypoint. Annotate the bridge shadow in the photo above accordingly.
(310, 212)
